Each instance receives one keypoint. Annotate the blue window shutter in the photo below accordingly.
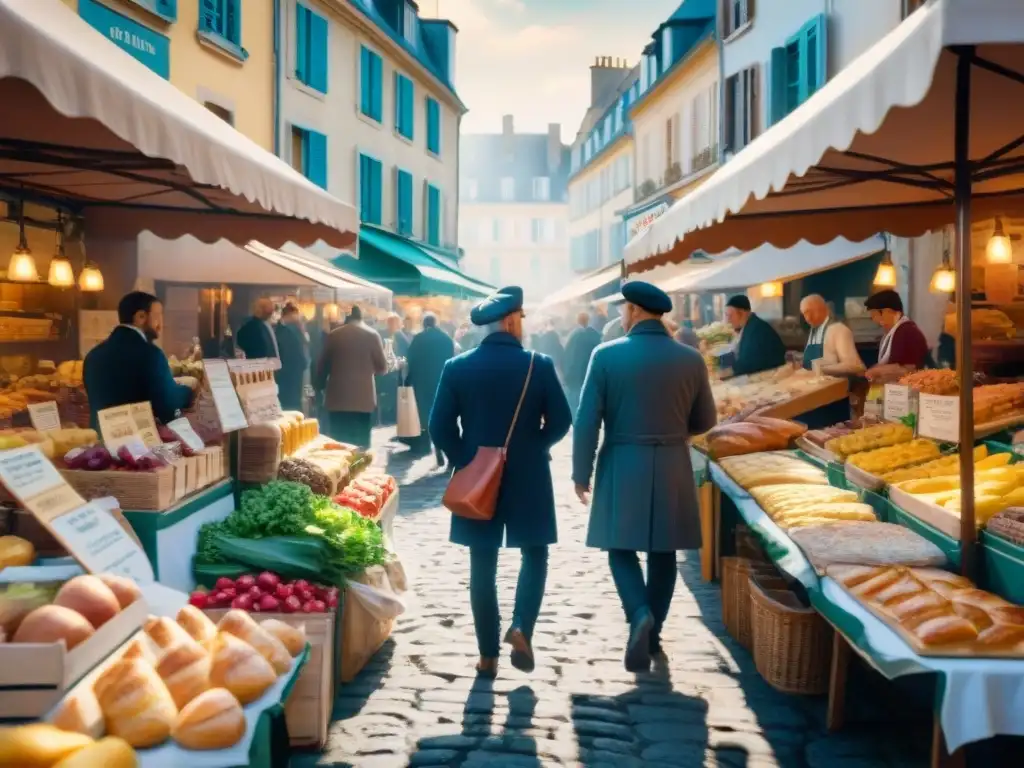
(363, 196)
(398, 102)
(364, 78)
(820, 73)
(168, 9)
(302, 43)
(403, 202)
(316, 158)
(777, 86)
(433, 126)
(233, 23)
(433, 215)
(208, 15)
(377, 89)
(378, 191)
(407, 109)
(319, 55)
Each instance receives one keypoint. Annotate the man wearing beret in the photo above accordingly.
(650, 393)
(476, 403)
(758, 346)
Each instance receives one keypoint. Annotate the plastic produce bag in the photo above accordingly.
(378, 598)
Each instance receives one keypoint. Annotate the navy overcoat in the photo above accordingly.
(651, 394)
(479, 389)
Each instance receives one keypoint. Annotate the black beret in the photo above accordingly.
(647, 296)
(497, 306)
(739, 301)
(885, 299)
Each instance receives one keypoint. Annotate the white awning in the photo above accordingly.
(872, 151)
(86, 125)
(586, 284)
(685, 275)
(188, 260)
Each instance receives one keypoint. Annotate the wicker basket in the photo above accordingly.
(736, 599)
(792, 643)
(748, 546)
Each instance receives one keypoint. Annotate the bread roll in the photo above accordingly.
(238, 667)
(197, 624)
(91, 598)
(212, 720)
(166, 633)
(53, 624)
(37, 745)
(136, 704)
(141, 648)
(292, 638)
(185, 670)
(125, 590)
(244, 627)
(110, 752)
(80, 713)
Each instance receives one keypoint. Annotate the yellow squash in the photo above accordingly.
(16, 551)
(110, 752)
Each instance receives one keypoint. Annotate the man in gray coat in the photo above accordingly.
(352, 355)
(651, 393)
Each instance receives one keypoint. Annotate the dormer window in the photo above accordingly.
(666, 49)
(409, 22)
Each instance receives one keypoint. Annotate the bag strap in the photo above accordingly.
(522, 396)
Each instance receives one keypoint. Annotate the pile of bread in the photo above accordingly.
(995, 402)
(185, 680)
(755, 434)
(758, 469)
(936, 610)
(869, 439)
(793, 505)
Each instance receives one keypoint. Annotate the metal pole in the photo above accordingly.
(963, 185)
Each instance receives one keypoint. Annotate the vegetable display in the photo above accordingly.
(285, 527)
(267, 592)
(367, 494)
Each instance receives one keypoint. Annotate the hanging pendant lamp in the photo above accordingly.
(61, 275)
(22, 266)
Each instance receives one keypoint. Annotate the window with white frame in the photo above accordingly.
(735, 14)
(542, 188)
(742, 109)
(508, 188)
(550, 230)
(409, 23)
(671, 141)
(666, 49)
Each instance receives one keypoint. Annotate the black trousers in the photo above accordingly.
(351, 427)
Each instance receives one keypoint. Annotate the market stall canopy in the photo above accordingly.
(88, 127)
(188, 260)
(768, 264)
(872, 151)
(400, 265)
(681, 278)
(603, 278)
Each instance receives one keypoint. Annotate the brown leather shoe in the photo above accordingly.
(522, 652)
(487, 667)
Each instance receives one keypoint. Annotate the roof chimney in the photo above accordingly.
(554, 148)
(605, 77)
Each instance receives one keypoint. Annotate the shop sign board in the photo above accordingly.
(143, 43)
(642, 220)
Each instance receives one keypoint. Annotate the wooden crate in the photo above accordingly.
(362, 633)
(152, 491)
(308, 709)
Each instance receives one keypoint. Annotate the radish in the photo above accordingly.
(269, 603)
(256, 592)
(224, 583)
(243, 602)
(318, 606)
(199, 599)
(305, 595)
(300, 584)
(284, 591)
(291, 605)
(245, 582)
(307, 607)
(268, 581)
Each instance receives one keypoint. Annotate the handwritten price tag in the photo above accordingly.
(100, 544)
(939, 417)
(44, 416)
(896, 402)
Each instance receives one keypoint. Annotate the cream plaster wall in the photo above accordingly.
(349, 133)
(604, 216)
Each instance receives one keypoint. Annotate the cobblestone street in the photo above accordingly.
(418, 702)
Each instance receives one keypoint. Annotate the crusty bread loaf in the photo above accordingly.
(212, 720)
(185, 670)
(244, 627)
(80, 713)
(197, 624)
(238, 667)
(166, 633)
(292, 638)
(136, 704)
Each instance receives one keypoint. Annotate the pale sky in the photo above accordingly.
(531, 58)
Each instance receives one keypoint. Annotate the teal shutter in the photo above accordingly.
(433, 126)
(820, 70)
(316, 158)
(377, 86)
(302, 43)
(777, 107)
(376, 173)
(403, 202)
(168, 9)
(233, 23)
(208, 13)
(364, 80)
(433, 215)
(398, 102)
(364, 184)
(319, 55)
(407, 109)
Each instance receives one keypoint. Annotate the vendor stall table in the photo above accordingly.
(169, 537)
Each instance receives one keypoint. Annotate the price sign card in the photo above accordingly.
(220, 389)
(44, 416)
(938, 417)
(117, 426)
(182, 429)
(98, 541)
(896, 402)
(145, 424)
(36, 483)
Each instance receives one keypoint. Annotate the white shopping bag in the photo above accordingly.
(408, 414)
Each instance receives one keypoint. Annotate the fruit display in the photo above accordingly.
(869, 439)
(96, 458)
(881, 460)
(948, 465)
(762, 390)
(759, 469)
(937, 611)
(941, 381)
(995, 489)
(287, 528)
(367, 494)
(266, 592)
(182, 680)
(796, 505)
(69, 613)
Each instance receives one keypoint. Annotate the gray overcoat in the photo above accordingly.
(651, 394)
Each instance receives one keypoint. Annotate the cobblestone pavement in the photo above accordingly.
(418, 703)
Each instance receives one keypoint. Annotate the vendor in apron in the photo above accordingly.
(904, 347)
(832, 343)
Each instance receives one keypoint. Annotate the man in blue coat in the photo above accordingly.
(578, 348)
(651, 393)
(128, 368)
(428, 352)
(759, 347)
(480, 390)
(256, 337)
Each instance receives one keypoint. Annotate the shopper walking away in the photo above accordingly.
(480, 390)
(256, 336)
(650, 393)
(430, 349)
(578, 348)
(613, 330)
(293, 346)
(548, 343)
(353, 354)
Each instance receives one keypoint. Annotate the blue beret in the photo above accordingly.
(497, 306)
(647, 296)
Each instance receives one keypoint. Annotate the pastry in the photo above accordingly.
(136, 704)
(80, 713)
(244, 627)
(292, 638)
(238, 667)
(185, 670)
(197, 624)
(166, 633)
(212, 720)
